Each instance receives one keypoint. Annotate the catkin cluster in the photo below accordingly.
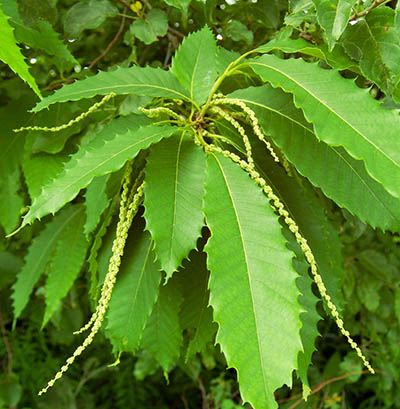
(130, 200)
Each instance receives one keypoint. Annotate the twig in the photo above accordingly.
(7, 344)
(375, 4)
(167, 56)
(176, 32)
(111, 44)
(323, 384)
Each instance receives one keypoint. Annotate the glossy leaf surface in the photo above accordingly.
(358, 129)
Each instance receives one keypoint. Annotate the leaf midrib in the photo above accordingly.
(66, 187)
(378, 199)
(285, 74)
(266, 388)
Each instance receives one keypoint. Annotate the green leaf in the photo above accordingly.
(40, 169)
(162, 336)
(98, 158)
(33, 11)
(11, 203)
(141, 81)
(154, 25)
(10, 265)
(39, 254)
(333, 17)
(173, 199)
(135, 293)
(337, 58)
(87, 15)
(358, 130)
(43, 36)
(96, 201)
(375, 42)
(61, 275)
(304, 207)
(341, 178)
(194, 64)
(237, 31)
(196, 315)
(252, 283)
(310, 317)
(11, 143)
(182, 5)
(11, 54)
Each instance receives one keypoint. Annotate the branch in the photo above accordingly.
(111, 44)
(323, 384)
(375, 4)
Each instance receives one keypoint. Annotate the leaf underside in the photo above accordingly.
(38, 257)
(173, 199)
(71, 246)
(162, 336)
(134, 294)
(252, 283)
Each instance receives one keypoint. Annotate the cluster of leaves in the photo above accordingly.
(333, 151)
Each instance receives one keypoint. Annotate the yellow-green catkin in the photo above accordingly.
(125, 198)
(279, 207)
(240, 129)
(127, 212)
(252, 120)
(79, 118)
(154, 112)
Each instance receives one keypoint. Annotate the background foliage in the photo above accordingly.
(64, 40)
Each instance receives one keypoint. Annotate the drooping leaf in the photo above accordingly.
(310, 317)
(39, 254)
(58, 114)
(333, 17)
(12, 144)
(141, 81)
(341, 178)
(98, 158)
(11, 54)
(40, 169)
(193, 64)
(87, 15)
(336, 58)
(11, 202)
(154, 25)
(134, 294)
(162, 336)
(196, 315)
(252, 283)
(358, 130)
(42, 36)
(237, 31)
(10, 265)
(173, 199)
(66, 262)
(375, 42)
(33, 11)
(96, 201)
